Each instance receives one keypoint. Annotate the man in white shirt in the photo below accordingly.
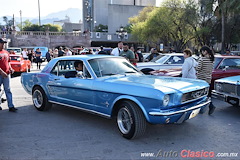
(68, 52)
(116, 51)
(25, 53)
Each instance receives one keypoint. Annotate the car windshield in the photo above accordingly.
(162, 59)
(216, 62)
(112, 66)
(15, 50)
(15, 58)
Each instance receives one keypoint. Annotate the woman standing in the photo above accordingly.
(188, 68)
(38, 55)
(204, 70)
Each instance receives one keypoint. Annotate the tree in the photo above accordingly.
(173, 23)
(225, 10)
(101, 28)
(28, 26)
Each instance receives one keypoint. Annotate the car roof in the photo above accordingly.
(175, 54)
(223, 56)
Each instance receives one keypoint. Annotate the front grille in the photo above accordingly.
(226, 88)
(194, 95)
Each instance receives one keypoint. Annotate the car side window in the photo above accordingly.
(175, 60)
(230, 64)
(62, 67)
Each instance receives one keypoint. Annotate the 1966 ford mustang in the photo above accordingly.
(112, 87)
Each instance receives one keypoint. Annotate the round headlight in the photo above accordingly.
(166, 100)
(218, 86)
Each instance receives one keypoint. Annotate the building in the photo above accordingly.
(113, 13)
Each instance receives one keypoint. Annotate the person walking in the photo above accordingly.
(5, 71)
(49, 55)
(204, 70)
(55, 53)
(38, 55)
(116, 51)
(188, 67)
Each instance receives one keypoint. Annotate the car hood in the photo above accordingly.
(164, 84)
(231, 80)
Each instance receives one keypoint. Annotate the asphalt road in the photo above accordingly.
(66, 133)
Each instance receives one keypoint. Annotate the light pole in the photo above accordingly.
(39, 19)
(21, 18)
(121, 33)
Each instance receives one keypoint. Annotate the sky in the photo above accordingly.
(29, 8)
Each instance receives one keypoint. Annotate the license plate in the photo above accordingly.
(194, 113)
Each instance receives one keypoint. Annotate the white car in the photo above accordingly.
(164, 61)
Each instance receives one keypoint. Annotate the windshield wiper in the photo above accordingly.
(130, 72)
(109, 74)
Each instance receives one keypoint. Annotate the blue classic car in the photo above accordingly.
(227, 89)
(112, 87)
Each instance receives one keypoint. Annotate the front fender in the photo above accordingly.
(133, 99)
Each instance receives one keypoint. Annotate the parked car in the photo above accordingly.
(17, 50)
(224, 66)
(19, 64)
(112, 87)
(227, 89)
(164, 61)
(44, 50)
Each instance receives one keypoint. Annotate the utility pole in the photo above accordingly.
(21, 19)
(39, 17)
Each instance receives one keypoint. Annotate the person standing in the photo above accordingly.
(5, 70)
(116, 51)
(102, 51)
(153, 54)
(140, 55)
(38, 55)
(30, 55)
(55, 53)
(68, 52)
(25, 53)
(204, 70)
(188, 67)
(128, 54)
(49, 55)
(61, 52)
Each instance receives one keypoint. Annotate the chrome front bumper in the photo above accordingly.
(181, 111)
(223, 96)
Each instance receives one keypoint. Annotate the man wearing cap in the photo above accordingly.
(5, 70)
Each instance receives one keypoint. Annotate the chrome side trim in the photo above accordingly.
(181, 111)
(83, 109)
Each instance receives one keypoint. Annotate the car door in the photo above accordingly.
(75, 92)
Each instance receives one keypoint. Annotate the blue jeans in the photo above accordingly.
(6, 86)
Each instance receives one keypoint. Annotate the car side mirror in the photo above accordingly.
(225, 68)
(169, 62)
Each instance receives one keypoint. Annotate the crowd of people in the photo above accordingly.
(190, 68)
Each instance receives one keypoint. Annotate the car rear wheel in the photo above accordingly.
(40, 100)
(130, 120)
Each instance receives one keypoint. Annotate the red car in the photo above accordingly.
(224, 66)
(19, 64)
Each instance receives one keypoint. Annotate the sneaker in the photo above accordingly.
(0, 108)
(13, 109)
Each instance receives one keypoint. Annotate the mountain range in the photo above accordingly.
(74, 14)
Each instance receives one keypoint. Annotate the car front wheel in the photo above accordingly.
(130, 120)
(40, 100)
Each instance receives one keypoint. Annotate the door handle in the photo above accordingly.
(56, 79)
